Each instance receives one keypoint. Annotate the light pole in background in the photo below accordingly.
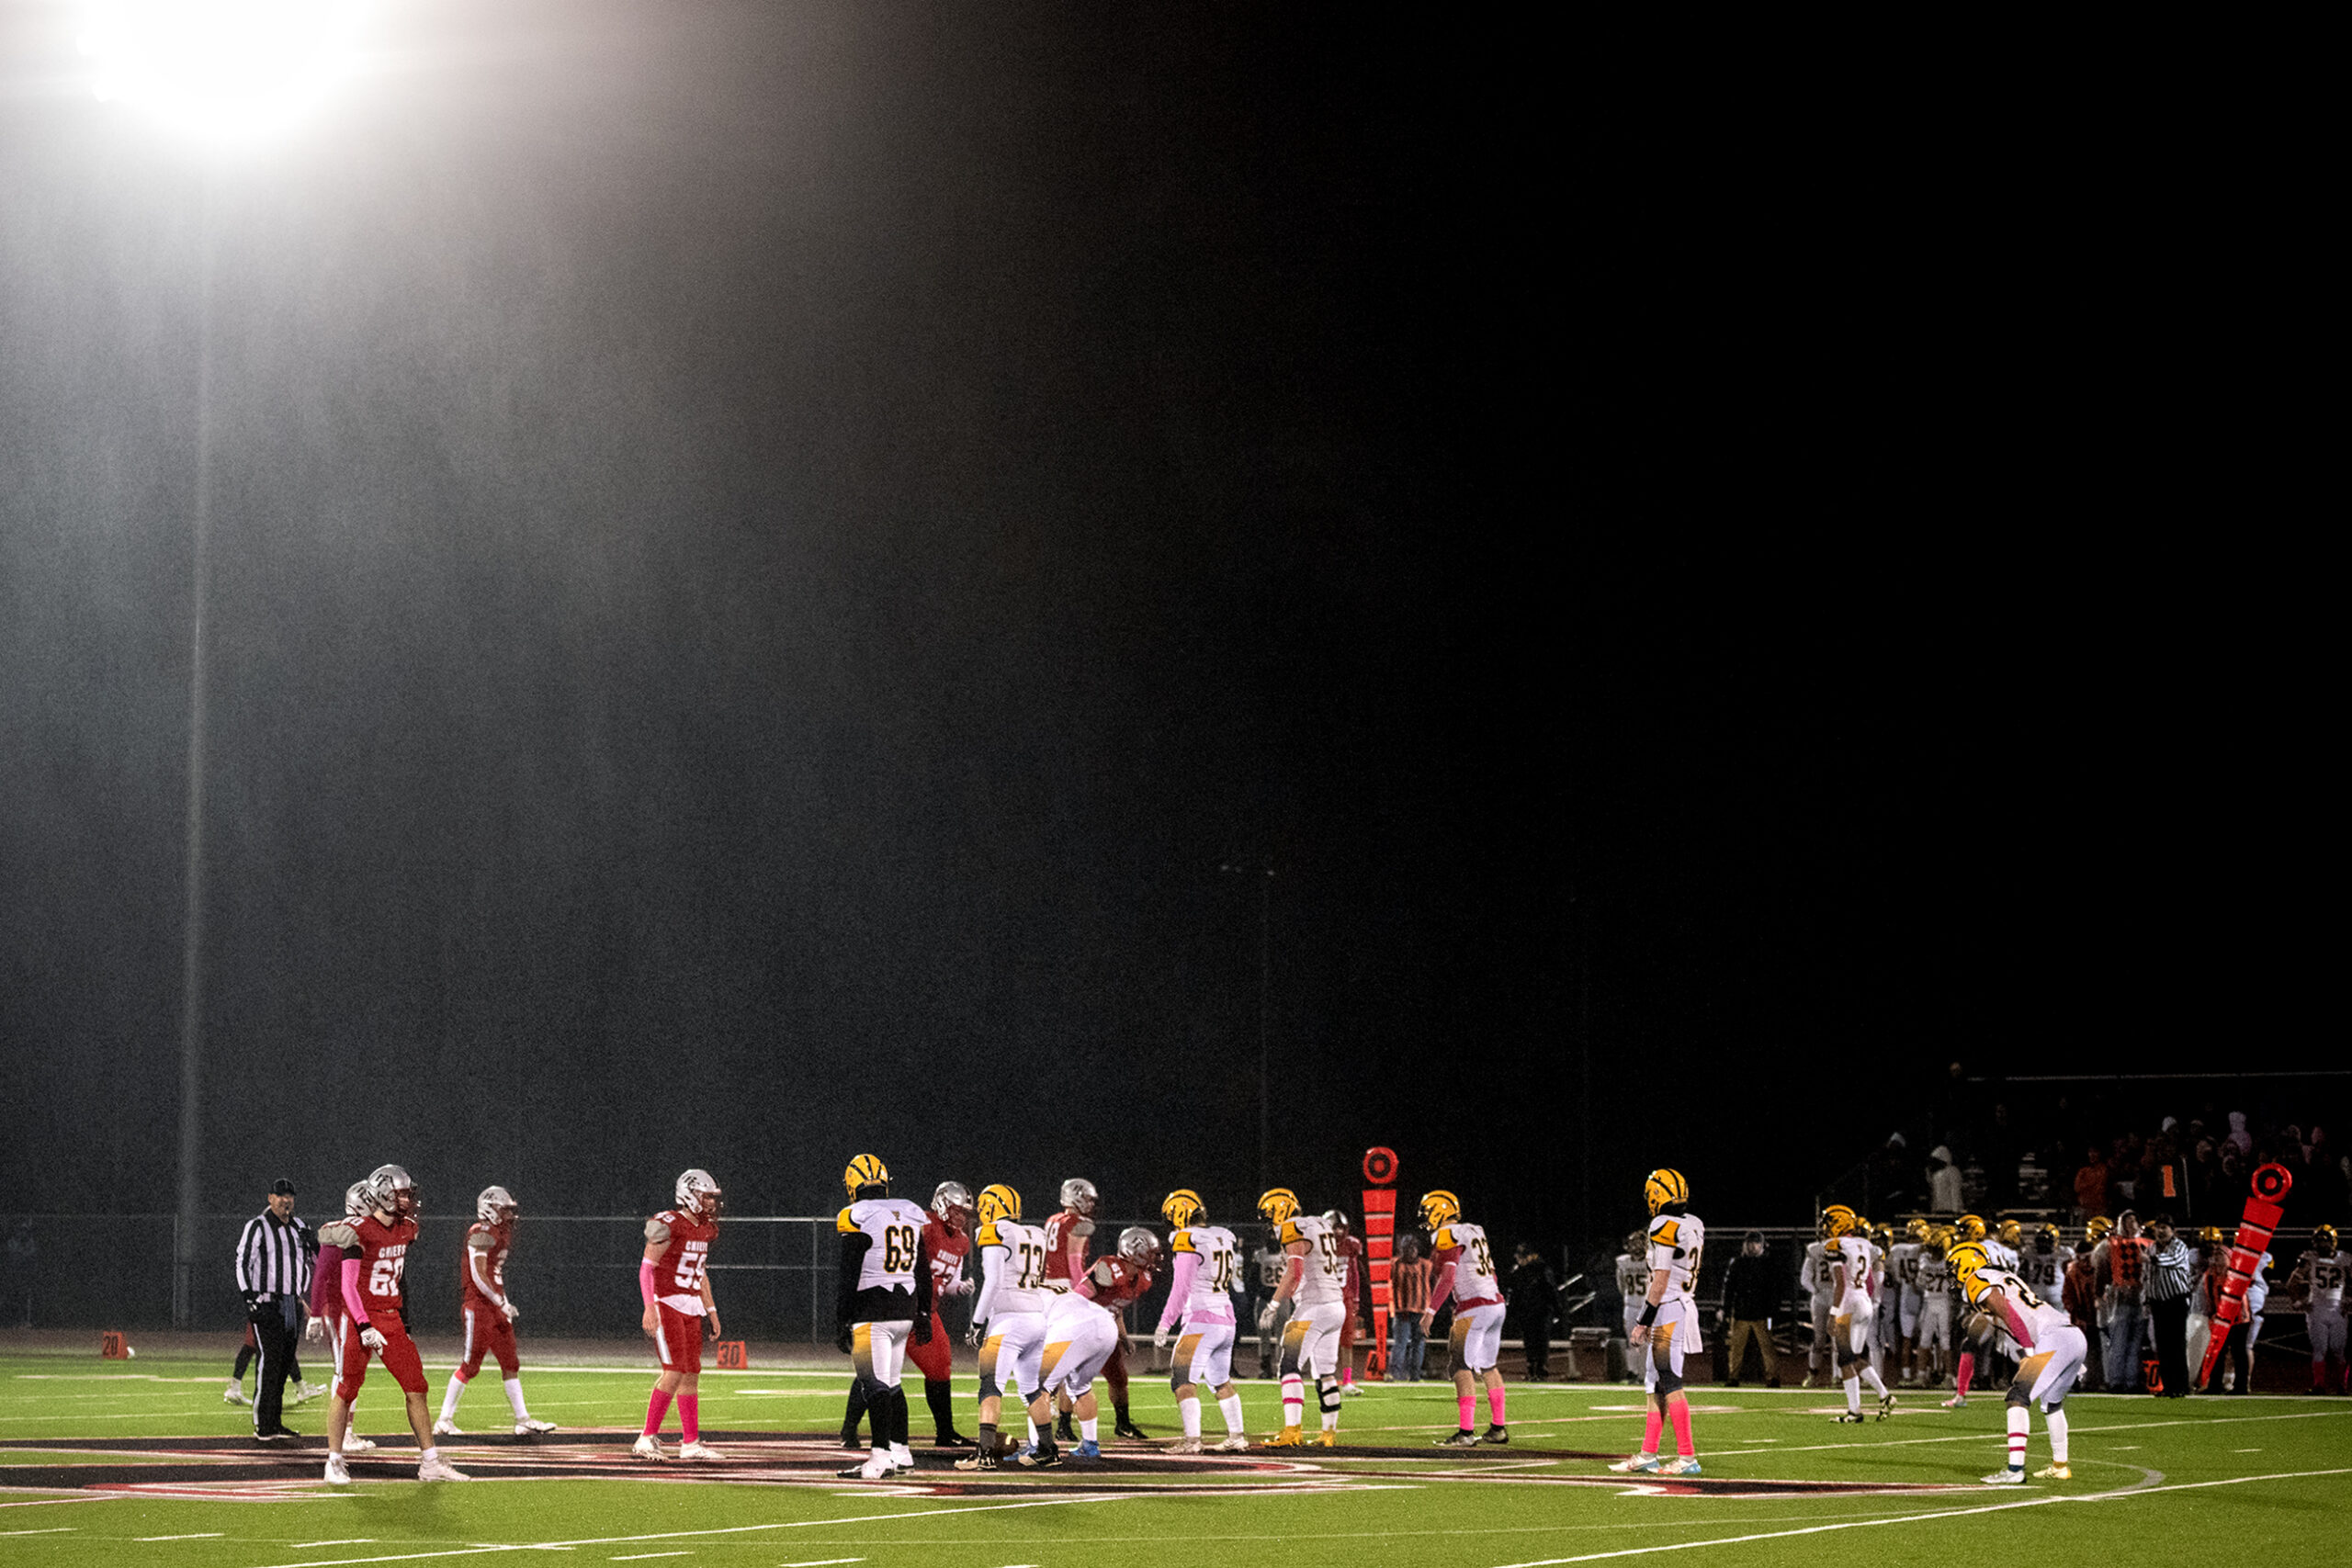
(1265, 877)
(214, 74)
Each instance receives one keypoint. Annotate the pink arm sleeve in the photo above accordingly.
(2014, 1322)
(1444, 1285)
(1179, 1288)
(645, 1280)
(330, 1266)
(351, 1301)
(1082, 1282)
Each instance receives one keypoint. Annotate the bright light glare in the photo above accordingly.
(218, 68)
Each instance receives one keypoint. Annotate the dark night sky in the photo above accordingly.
(763, 556)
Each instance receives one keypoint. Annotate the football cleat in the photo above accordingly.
(1461, 1437)
(446, 1429)
(1351, 1390)
(876, 1468)
(1495, 1435)
(697, 1192)
(1885, 1406)
(953, 1441)
(234, 1394)
(984, 1459)
(433, 1467)
(1079, 1193)
(2053, 1472)
(1956, 1402)
(1288, 1438)
(2006, 1478)
(389, 1192)
(1663, 1187)
(1140, 1247)
(1182, 1208)
(1063, 1428)
(355, 1444)
(530, 1425)
(1688, 1465)
(1044, 1456)
(999, 1202)
(698, 1450)
(1235, 1443)
(647, 1447)
(1440, 1208)
(850, 1441)
(305, 1392)
(1089, 1449)
(1329, 1438)
(1126, 1428)
(1848, 1418)
(1277, 1205)
(950, 1196)
(902, 1456)
(1640, 1464)
(1183, 1446)
(338, 1472)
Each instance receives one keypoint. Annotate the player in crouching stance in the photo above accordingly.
(490, 1315)
(1311, 1339)
(374, 1256)
(885, 1300)
(1670, 1317)
(1465, 1271)
(1201, 1295)
(2050, 1353)
(1008, 1319)
(673, 1278)
(1853, 1315)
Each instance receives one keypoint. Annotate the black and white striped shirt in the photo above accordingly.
(2170, 1267)
(274, 1256)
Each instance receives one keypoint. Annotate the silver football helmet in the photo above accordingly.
(495, 1206)
(389, 1192)
(696, 1193)
(1079, 1193)
(1336, 1221)
(355, 1201)
(1140, 1247)
(948, 1196)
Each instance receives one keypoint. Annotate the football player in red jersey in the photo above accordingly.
(1068, 1236)
(327, 1311)
(1117, 1281)
(374, 1256)
(1350, 1294)
(489, 1314)
(947, 1238)
(675, 1281)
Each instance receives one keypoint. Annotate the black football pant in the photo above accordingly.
(275, 1335)
(2170, 1320)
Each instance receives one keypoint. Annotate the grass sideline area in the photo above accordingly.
(141, 1462)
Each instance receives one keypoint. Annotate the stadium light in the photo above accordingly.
(219, 70)
(220, 74)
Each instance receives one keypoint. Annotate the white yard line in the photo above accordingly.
(1990, 1434)
(1921, 1517)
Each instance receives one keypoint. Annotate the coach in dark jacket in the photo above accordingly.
(1532, 1297)
(1751, 1295)
(274, 1276)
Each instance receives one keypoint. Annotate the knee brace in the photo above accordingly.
(990, 1387)
(1326, 1393)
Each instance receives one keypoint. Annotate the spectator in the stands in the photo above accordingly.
(1943, 1181)
(2239, 1138)
(2090, 1184)
(2081, 1301)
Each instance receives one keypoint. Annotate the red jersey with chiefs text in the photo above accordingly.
(679, 1270)
(1059, 1232)
(947, 1249)
(1113, 1282)
(486, 1246)
(382, 1251)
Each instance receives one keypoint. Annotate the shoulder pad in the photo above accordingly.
(1441, 1239)
(657, 1231)
(1182, 1241)
(1291, 1233)
(846, 1221)
(338, 1233)
(986, 1235)
(1105, 1271)
(481, 1238)
(1665, 1230)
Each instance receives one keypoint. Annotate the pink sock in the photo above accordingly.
(1468, 1401)
(1681, 1414)
(655, 1409)
(1494, 1406)
(1650, 1429)
(1967, 1371)
(690, 1416)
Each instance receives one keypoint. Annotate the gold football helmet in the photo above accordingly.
(1971, 1228)
(864, 1171)
(2011, 1233)
(1182, 1207)
(1916, 1229)
(1835, 1221)
(2099, 1227)
(1440, 1208)
(999, 1202)
(1665, 1187)
(1277, 1205)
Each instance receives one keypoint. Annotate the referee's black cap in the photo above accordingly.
(281, 1188)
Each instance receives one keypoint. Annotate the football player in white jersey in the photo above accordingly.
(1934, 1346)
(883, 1300)
(1632, 1278)
(2051, 1351)
(1670, 1318)
(2318, 1282)
(1009, 1318)
(2005, 1247)
(1813, 1284)
(1886, 1334)
(1466, 1271)
(1081, 1334)
(1200, 1299)
(1311, 1338)
(1853, 1311)
(1902, 1274)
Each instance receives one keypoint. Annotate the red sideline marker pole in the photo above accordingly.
(1379, 1246)
(2271, 1185)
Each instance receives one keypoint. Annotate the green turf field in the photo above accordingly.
(143, 1464)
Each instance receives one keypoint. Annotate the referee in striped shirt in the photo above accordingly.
(274, 1275)
(2170, 1277)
